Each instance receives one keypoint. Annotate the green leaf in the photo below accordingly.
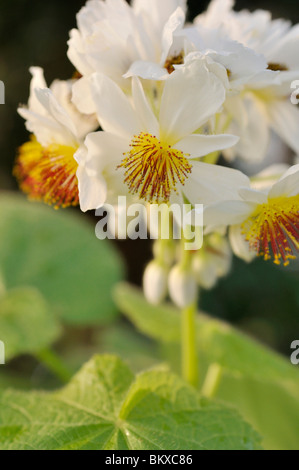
(58, 253)
(261, 383)
(226, 346)
(26, 325)
(106, 407)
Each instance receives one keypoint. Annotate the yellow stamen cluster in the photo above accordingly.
(48, 173)
(274, 229)
(153, 170)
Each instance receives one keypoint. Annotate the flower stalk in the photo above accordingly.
(190, 363)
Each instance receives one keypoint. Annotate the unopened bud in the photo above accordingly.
(182, 287)
(155, 283)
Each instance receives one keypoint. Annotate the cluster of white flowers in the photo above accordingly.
(154, 103)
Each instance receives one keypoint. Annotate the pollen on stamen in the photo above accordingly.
(273, 231)
(153, 170)
(172, 61)
(48, 174)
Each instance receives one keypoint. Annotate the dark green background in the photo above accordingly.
(260, 298)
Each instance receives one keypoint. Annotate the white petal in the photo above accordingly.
(239, 244)
(192, 95)
(82, 97)
(113, 108)
(228, 213)
(252, 195)
(288, 185)
(38, 81)
(97, 163)
(143, 109)
(201, 145)
(147, 71)
(158, 11)
(44, 128)
(92, 190)
(104, 150)
(208, 184)
(268, 177)
(55, 110)
(175, 23)
(254, 138)
(77, 54)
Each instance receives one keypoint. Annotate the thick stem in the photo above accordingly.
(54, 364)
(189, 352)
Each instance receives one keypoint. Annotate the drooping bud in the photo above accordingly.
(155, 283)
(213, 261)
(182, 287)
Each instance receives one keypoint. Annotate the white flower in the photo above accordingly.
(156, 158)
(155, 281)
(266, 101)
(46, 168)
(264, 221)
(112, 35)
(182, 287)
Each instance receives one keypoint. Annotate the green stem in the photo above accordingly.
(212, 381)
(189, 352)
(54, 364)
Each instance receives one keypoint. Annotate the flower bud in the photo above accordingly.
(155, 283)
(213, 261)
(205, 271)
(182, 287)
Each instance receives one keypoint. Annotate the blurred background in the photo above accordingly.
(260, 299)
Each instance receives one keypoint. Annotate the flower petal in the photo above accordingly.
(158, 11)
(82, 96)
(227, 213)
(114, 110)
(38, 81)
(201, 145)
(174, 24)
(98, 167)
(288, 185)
(209, 184)
(147, 70)
(143, 109)
(192, 95)
(239, 244)
(92, 186)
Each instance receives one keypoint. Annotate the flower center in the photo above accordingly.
(274, 228)
(48, 173)
(153, 170)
